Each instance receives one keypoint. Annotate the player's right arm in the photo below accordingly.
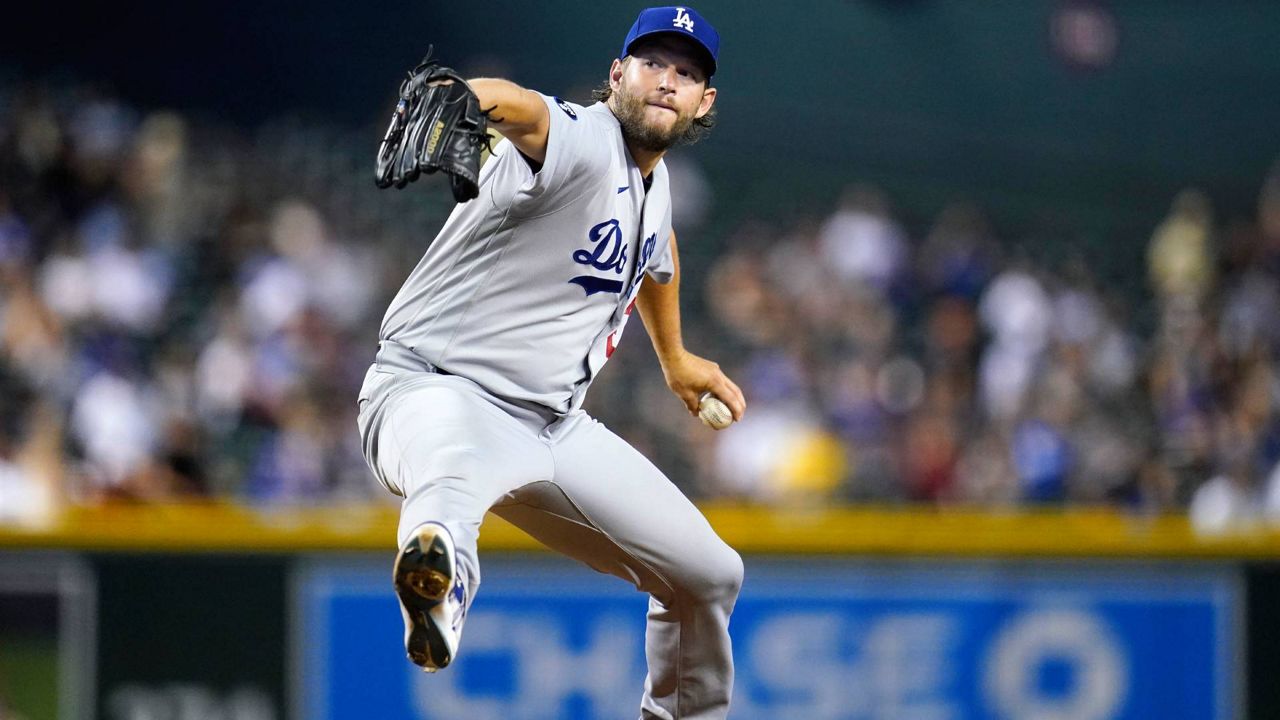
(686, 374)
(520, 115)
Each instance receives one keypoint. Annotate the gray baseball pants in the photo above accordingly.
(453, 452)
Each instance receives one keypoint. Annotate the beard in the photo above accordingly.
(629, 108)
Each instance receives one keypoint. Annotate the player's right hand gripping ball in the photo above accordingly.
(714, 412)
(434, 127)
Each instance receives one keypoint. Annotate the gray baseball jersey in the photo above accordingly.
(527, 288)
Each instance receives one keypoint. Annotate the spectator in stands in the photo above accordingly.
(181, 298)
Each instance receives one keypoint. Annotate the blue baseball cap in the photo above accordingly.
(683, 21)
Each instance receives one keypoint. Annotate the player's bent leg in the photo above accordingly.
(439, 442)
(690, 629)
(692, 594)
(431, 588)
(612, 509)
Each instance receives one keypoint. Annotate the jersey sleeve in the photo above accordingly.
(661, 267)
(577, 157)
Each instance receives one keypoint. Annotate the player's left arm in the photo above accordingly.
(519, 114)
(687, 375)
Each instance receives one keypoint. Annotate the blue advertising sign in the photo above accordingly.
(813, 640)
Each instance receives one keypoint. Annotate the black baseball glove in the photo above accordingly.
(434, 127)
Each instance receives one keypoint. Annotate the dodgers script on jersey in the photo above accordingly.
(583, 226)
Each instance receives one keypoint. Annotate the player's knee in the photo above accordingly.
(721, 577)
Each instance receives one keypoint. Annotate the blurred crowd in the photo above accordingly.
(945, 367)
(187, 310)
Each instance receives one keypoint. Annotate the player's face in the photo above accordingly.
(659, 92)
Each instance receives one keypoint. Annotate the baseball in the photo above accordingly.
(714, 412)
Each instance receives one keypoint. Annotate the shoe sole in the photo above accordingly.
(423, 576)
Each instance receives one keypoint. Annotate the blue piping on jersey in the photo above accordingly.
(593, 284)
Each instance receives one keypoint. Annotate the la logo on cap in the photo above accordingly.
(683, 20)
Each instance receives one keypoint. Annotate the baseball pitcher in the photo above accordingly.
(474, 402)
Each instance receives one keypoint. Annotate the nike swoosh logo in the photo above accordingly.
(623, 189)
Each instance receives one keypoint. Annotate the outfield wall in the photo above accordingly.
(225, 612)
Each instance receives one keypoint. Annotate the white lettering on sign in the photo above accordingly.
(546, 669)
(830, 665)
(1080, 644)
(524, 665)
